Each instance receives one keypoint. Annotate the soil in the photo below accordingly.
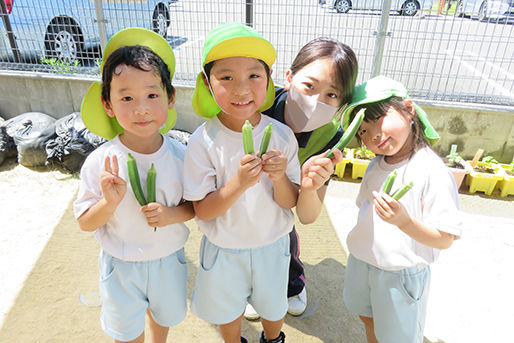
(453, 164)
(484, 169)
(510, 172)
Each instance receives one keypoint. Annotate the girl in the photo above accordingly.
(319, 83)
(393, 243)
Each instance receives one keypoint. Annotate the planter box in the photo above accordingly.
(460, 174)
(483, 182)
(506, 185)
(341, 166)
(359, 166)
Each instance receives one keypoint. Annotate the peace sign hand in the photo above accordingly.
(113, 186)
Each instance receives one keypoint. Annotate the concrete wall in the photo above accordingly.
(471, 127)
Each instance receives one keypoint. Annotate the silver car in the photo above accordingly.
(486, 9)
(67, 29)
(404, 7)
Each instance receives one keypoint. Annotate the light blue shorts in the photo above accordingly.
(396, 300)
(229, 278)
(129, 288)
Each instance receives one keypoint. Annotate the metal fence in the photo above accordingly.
(438, 55)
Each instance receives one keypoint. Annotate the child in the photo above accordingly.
(142, 263)
(318, 84)
(242, 202)
(393, 243)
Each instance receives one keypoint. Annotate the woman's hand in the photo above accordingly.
(113, 186)
(318, 169)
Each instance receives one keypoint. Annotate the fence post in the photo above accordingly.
(8, 29)
(249, 13)
(381, 36)
(101, 23)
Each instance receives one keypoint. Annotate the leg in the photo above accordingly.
(158, 333)
(231, 332)
(272, 329)
(370, 329)
(140, 339)
(296, 268)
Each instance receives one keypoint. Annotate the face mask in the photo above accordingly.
(303, 113)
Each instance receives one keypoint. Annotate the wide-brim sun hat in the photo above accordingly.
(380, 88)
(232, 40)
(92, 111)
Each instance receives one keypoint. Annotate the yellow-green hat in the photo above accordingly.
(92, 111)
(232, 40)
(381, 88)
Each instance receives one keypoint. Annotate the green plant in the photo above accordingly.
(364, 153)
(349, 133)
(488, 159)
(60, 67)
(453, 158)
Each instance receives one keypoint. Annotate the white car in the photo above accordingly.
(404, 7)
(65, 29)
(485, 9)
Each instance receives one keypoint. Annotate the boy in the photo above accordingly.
(242, 202)
(141, 270)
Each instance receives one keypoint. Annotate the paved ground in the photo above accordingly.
(470, 298)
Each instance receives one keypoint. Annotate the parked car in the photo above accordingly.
(485, 9)
(404, 7)
(66, 29)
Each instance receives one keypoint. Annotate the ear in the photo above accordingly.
(107, 107)
(171, 100)
(288, 80)
(410, 106)
(205, 81)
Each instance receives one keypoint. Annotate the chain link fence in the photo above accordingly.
(459, 53)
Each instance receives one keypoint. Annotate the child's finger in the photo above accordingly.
(115, 168)
(107, 164)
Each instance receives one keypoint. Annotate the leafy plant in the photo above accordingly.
(453, 158)
(488, 159)
(60, 67)
(364, 153)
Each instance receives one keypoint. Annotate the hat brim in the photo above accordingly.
(254, 47)
(97, 120)
(205, 106)
(92, 111)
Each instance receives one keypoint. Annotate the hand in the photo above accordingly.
(113, 186)
(155, 214)
(249, 171)
(274, 163)
(390, 210)
(318, 169)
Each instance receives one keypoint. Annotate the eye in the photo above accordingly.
(332, 95)
(361, 132)
(308, 85)
(153, 96)
(254, 76)
(226, 78)
(126, 98)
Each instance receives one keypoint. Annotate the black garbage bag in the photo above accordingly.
(72, 143)
(30, 132)
(7, 146)
(180, 135)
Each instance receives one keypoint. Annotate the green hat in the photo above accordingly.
(92, 111)
(381, 88)
(232, 40)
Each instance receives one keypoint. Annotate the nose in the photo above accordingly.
(242, 88)
(140, 107)
(376, 133)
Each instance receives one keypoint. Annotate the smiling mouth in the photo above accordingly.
(242, 103)
(143, 123)
(384, 142)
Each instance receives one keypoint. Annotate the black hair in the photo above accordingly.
(343, 57)
(208, 67)
(376, 110)
(139, 57)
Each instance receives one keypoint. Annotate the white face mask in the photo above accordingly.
(303, 113)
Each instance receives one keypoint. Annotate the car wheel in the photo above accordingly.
(343, 6)
(63, 41)
(161, 20)
(482, 12)
(459, 10)
(410, 8)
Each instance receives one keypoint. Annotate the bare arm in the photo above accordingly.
(218, 202)
(394, 213)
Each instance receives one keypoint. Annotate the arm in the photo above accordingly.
(218, 202)
(113, 190)
(315, 172)
(394, 213)
(285, 193)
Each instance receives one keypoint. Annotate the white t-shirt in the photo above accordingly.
(127, 235)
(433, 200)
(212, 158)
